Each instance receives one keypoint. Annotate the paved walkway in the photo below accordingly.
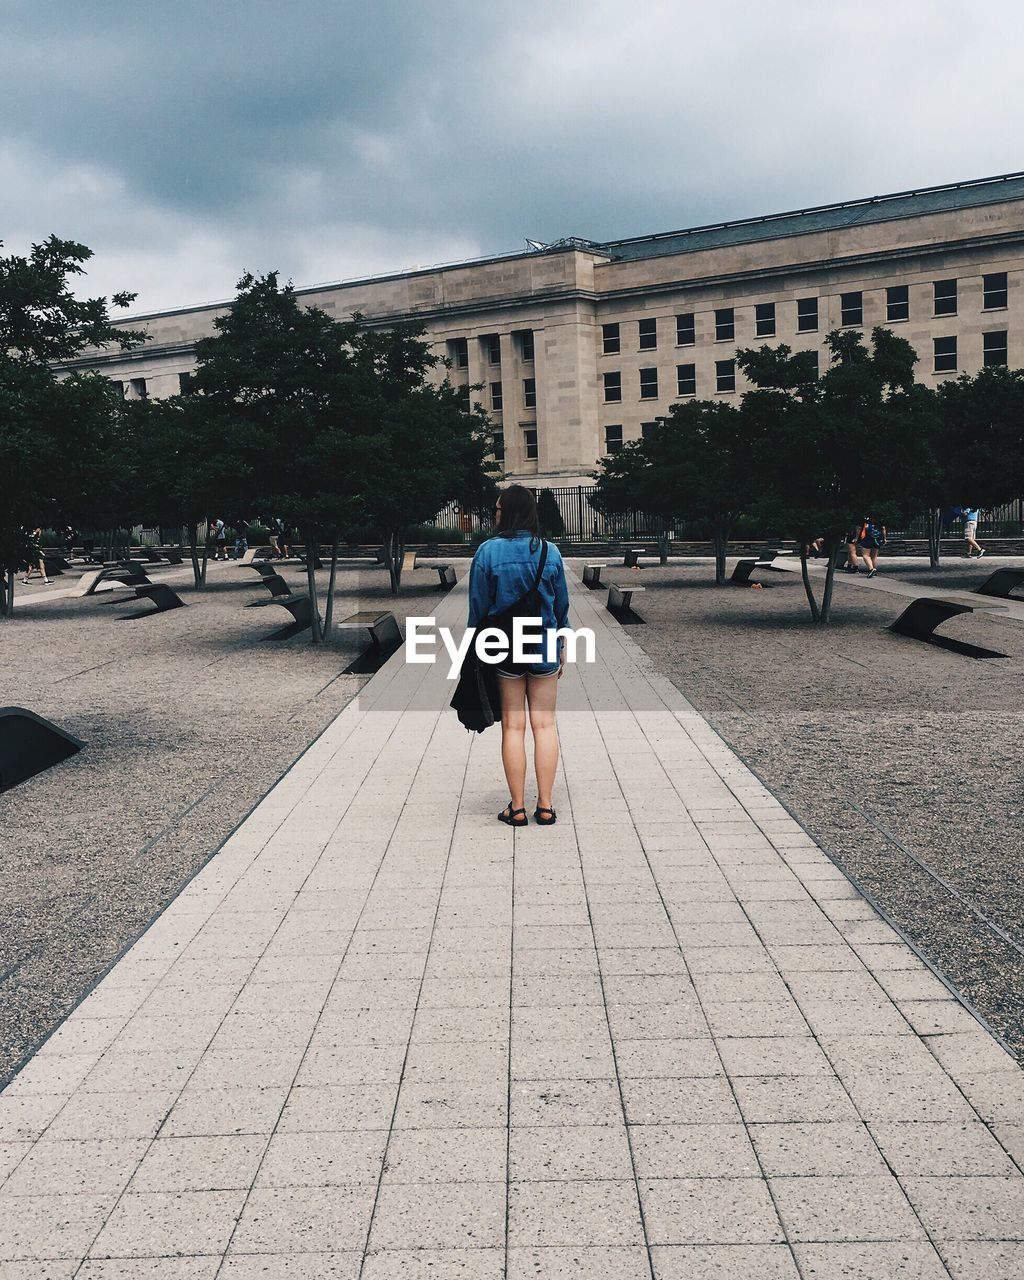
(381, 1036)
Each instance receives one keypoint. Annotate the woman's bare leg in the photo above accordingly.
(542, 694)
(513, 737)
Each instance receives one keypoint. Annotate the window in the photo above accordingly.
(725, 375)
(530, 393)
(184, 383)
(139, 391)
(499, 446)
(851, 308)
(994, 346)
(806, 315)
(897, 303)
(815, 362)
(612, 387)
(686, 334)
(725, 324)
(496, 398)
(764, 320)
(458, 352)
(122, 387)
(995, 291)
(613, 438)
(526, 345)
(945, 354)
(686, 379)
(492, 348)
(648, 334)
(464, 399)
(530, 443)
(945, 297)
(647, 429)
(648, 384)
(610, 339)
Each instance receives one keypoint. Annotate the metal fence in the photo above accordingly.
(585, 523)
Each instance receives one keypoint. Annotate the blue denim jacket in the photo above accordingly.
(503, 570)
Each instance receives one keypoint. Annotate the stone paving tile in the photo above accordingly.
(724, 1262)
(683, 998)
(907, 1260)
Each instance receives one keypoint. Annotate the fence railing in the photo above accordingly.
(584, 523)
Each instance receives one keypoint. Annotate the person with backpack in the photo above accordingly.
(870, 538)
(517, 573)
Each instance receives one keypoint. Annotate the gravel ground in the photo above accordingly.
(882, 746)
(189, 718)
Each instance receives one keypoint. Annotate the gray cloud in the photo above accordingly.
(186, 142)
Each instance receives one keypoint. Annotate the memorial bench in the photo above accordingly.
(385, 639)
(29, 744)
(592, 576)
(445, 577)
(922, 616)
(301, 609)
(620, 603)
(1001, 583)
(631, 558)
(409, 560)
(277, 587)
(163, 596)
(745, 567)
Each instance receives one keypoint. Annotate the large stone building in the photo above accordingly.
(577, 345)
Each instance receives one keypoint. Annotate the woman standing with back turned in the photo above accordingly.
(506, 568)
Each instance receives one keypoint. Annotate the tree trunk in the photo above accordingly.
(393, 548)
(663, 541)
(9, 579)
(720, 545)
(831, 547)
(808, 588)
(934, 536)
(312, 543)
(329, 607)
(193, 550)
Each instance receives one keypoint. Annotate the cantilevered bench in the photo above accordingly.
(277, 587)
(445, 577)
(922, 616)
(265, 569)
(631, 560)
(29, 744)
(619, 604)
(1001, 583)
(301, 609)
(385, 639)
(409, 561)
(171, 556)
(163, 596)
(592, 576)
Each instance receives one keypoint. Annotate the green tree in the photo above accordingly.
(551, 523)
(978, 443)
(828, 450)
(417, 446)
(277, 388)
(58, 436)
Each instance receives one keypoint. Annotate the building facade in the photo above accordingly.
(577, 345)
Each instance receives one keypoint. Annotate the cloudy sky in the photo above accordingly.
(187, 142)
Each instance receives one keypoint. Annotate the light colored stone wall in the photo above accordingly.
(564, 297)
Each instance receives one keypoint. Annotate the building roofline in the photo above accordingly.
(835, 206)
(606, 248)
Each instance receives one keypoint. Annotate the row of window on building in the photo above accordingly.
(490, 346)
(945, 295)
(138, 389)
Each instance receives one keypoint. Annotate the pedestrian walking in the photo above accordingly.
(241, 538)
(870, 539)
(971, 517)
(273, 533)
(284, 539)
(220, 539)
(34, 560)
(852, 562)
(518, 573)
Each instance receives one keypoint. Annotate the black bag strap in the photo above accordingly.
(540, 567)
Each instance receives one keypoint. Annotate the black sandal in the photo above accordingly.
(508, 816)
(544, 822)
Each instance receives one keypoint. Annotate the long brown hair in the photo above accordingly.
(518, 512)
